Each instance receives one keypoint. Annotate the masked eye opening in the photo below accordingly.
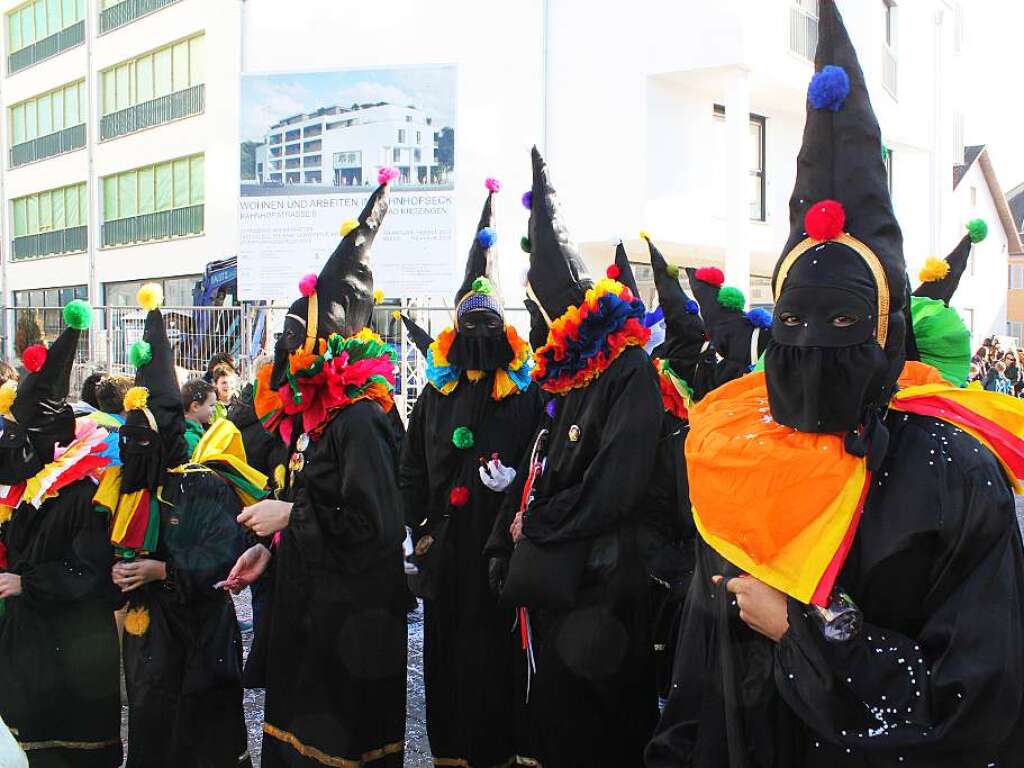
(844, 321)
(789, 319)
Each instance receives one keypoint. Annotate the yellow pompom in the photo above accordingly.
(378, 296)
(396, 315)
(5, 514)
(136, 621)
(8, 392)
(933, 269)
(136, 398)
(347, 226)
(645, 235)
(150, 296)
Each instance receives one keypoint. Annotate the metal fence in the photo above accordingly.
(247, 332)
(189, 101)
(56, 143)
(127, 11)
(45, 48)
(154, 226)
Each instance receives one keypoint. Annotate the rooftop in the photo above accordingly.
(334, 110)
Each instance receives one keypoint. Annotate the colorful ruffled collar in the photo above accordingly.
(676, 394)
(587, 339)
(81, 458)
(343, 371)
(445, 376)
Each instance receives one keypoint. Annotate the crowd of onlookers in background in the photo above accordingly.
(998, 369)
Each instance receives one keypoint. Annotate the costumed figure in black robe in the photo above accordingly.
(332, 651)
(859, 592)
(667, 536)
(575, 568)
(469, 430)
(175, 538)
(58, 641)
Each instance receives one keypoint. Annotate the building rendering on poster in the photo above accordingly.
(312, 145)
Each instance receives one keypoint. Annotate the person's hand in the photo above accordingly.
(10, 585)
(247, 569)
(496, 475)
(516, 529)
(762, 608)
(266, 517)
(132, 574)
(497, 572)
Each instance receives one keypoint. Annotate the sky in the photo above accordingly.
(269, 98)
(994, 104)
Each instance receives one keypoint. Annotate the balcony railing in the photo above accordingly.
(164, 109)
(890, 71)
(71, 240)
(161, 225)
(128, 11)
(45, 48)
(803, 32)
(48, 146)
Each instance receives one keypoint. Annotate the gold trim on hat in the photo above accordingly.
(312, 317)
(870, 259)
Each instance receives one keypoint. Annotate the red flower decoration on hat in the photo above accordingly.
(34, 357)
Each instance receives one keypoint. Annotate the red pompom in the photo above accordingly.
(825, 220)
(710, 275)
(387, 174)
(613, 271)
(459, 496)
(307, 285)
(34, 357)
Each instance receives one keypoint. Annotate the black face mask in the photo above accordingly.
(823, 366)
(18, 458)
(480, 344)
(142, 457)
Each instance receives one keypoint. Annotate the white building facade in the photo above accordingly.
(682, 118)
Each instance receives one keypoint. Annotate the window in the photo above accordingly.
(1017, 277)
(1015, 329)
(401, 136)
(177, 291)
(890, 23)
(348, 159)
(756, 149)
(312, 146)
(311, 161)
(417, 155)
(419, 137)
(48, 113)
(50, 222)
(887, 158)
(291, 163)
(292, 178)
(313, 177)
(974, 197)
(292, 149)
(293, 135)
(889, 68)
(803, 28)
(154, 188)
(173, 68)
(313, 130)
(39, 19)
(396, 155)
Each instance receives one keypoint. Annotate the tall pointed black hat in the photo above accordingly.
(738, 336)
(538, 325)
(841, 211)
(417, 334)
(40, 406)
(154, 362)
(623, 271)
(339, 299)
(684, 328)
(941, 278)
(482, 263)
(557, 278)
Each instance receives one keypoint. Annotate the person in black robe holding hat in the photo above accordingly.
(575, 567)
(859, 592)
(468, 431)
(332, 653)
(58, 641)
(175, 538)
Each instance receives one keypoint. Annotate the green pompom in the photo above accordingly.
(524, 243)
(731, 298)
(977, 229)
(462, 438)
(483, 286)
(672, 270)
(140, 354)
(78, 314)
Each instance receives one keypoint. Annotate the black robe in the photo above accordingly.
(58, 640)
(183, 674)
(469, 658)
(334, 649)
(593, 699)
(935, 679)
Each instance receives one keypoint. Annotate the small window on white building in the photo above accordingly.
(889, 68)
(419, 137)
(1017, 277)
(401, 135)
(396, 155)
(974, 197)
(756, 152)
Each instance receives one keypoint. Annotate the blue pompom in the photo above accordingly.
(760, 318)
(487, 237)
(692, 307)
(829, 88)
(528, 199)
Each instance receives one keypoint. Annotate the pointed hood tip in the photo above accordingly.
(420, 338)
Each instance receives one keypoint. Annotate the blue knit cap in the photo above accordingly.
(479, 301)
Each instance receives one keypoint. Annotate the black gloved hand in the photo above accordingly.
(497, 572)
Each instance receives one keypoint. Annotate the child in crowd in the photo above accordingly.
(225, 381)
(198, 399)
